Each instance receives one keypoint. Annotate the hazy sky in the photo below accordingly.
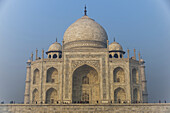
(29, 24)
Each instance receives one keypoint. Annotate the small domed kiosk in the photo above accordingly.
(55, 50)
(115, 50)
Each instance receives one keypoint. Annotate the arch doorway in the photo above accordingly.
(119, 95)
(136, 95)
(35, 96)
(51, 96)
(85, 86)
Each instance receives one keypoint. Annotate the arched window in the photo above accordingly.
(60, 56)
(135, 76)
(54, 56)
(36, 76)
(35, 96)
(120, 55)
(110, 56)
(52, 74)
(118, 79)
(119, 95)
(85, 80)
(119, 75)
(115, 55)
(49, 56)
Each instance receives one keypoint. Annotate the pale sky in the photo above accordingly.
(29, 24)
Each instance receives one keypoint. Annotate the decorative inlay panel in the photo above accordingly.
(76, 63)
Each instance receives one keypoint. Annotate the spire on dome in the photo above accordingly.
(85, 11)
(56, 39)
(114, 39)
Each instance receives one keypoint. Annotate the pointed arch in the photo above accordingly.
(85, 85)
(35, 96)
(119, 75)
(119, 95)
(52, 74)
(55, 56)
(51, 96)
(135, 77)
(36, 76)
(115, 55)
(110, 56)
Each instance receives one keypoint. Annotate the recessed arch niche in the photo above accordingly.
(51, 96)
(135, 77)
(119, 75)
(85, 85)
(52, 74)
(119, 95)
(136, 95)
(36, 76)
(35, 96)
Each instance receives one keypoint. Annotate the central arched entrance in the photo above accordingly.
(86, 85)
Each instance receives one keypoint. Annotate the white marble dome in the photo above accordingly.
(85, 33)
(115, 47)
(55, 47)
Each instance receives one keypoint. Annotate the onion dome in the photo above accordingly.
(85, 33)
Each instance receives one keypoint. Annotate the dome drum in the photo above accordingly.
(85, 44)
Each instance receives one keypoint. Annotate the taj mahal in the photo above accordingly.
(85, 74)
(85, 69)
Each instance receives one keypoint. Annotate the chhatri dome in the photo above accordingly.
(115, 50)
(55, 47)
(85, 33)
(115, 46)
(54, 50)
